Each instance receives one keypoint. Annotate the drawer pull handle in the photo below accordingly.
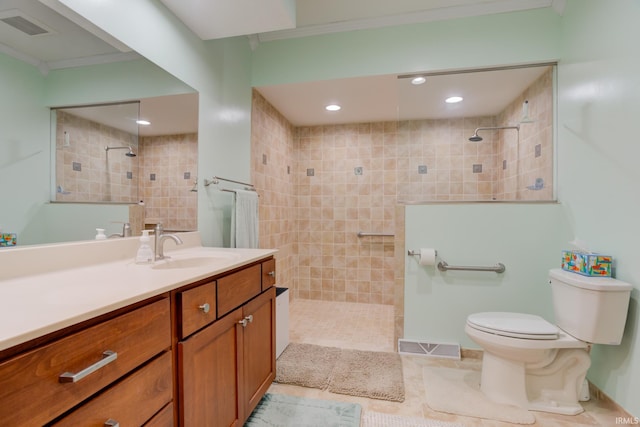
(272, 274)
(111, 423)
(69, 377)
(244, 322)
(205, 307)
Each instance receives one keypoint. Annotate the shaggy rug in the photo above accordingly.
(377, 375)
(379, 419)
(373, 374)
(306, 365)
(442, 383)
(283, 411)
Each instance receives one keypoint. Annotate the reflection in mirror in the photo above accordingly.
(143, 153)
(95, 150)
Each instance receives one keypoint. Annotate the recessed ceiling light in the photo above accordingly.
(332, 107)
(418, 80)
(143, 122)
(453, 99)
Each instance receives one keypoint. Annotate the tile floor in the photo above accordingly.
(370, 327)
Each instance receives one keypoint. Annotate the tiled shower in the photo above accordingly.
(321, 185)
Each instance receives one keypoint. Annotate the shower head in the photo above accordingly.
(477, 138)
(129, 154)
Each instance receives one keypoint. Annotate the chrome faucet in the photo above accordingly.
(160, 238)
(126, 231)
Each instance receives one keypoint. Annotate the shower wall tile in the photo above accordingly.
(102, 176)
(168, 199)
(316, 218)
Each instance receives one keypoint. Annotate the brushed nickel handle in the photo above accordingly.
(244, 322)
(205, 307)
(272, 274)
(111, 423)
(69, 377)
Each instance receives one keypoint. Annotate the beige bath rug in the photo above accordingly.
(373, 374)
(306, 365)
(457, 391)
(379, 419)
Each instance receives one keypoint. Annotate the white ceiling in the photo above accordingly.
(388, 98)
(73, 41)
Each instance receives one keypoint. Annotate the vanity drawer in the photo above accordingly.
(31, 389)
(131, 402)
(238, 288)
(268, 273)
(197, 308)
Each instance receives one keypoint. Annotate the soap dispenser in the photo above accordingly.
(100, 234)
(145, 253)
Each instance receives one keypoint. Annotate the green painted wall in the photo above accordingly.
(24, 145)
(526, 238)
(509, 38)
(598, 152)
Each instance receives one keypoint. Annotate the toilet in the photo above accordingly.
(534, 364)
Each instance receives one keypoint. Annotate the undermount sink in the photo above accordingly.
(193, 261)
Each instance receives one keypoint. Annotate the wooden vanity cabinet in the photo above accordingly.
(212, 342)
(128, 353)
(225, 368)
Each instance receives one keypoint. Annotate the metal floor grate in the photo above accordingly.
(413, 347)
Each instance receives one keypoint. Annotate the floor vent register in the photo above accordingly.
(411, 347)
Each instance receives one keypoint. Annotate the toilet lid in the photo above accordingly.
(516, 325)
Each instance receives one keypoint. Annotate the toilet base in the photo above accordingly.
(552, 385)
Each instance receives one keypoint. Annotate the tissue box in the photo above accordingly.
(8, 239)
(587, 264)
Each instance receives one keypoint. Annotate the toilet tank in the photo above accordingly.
(591, 309)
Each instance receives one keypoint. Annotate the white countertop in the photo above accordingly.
(54, 286)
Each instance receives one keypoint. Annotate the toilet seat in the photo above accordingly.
(514, 325)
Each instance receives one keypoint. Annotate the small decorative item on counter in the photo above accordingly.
(8, 239)
(587, 264)
(100, 234)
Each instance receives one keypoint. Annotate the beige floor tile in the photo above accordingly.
(370, 327)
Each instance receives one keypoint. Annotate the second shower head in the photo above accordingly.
(129, 154)
(477, 138)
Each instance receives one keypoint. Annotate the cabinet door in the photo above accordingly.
(259, 348)
(210, 372)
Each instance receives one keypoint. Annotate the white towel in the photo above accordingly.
(244, 220)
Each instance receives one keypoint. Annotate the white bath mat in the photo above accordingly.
(457, 391)
(379, 419)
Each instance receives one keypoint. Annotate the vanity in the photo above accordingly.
(188, 341)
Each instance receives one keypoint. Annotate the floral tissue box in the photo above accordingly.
(587, 264)
(8, 239)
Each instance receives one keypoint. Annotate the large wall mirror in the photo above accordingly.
(74, 158)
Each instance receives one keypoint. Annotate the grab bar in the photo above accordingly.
(498, 268)
(363, 234)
